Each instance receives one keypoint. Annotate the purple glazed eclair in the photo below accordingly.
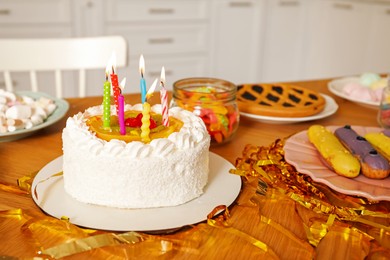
(373, 164)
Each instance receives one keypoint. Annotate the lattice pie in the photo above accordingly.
(280, 100)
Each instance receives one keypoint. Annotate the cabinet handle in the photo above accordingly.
(161, 10)
(5, 12)
(161, 40)
(154, 74)
(343, 6)
(289, 3)
(240, 4)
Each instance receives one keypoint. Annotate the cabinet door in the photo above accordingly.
(236, 40)
(283, 41)
(43, 18)
(162, 39)
(378, 56)
(337, 38)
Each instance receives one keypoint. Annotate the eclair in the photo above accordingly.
(381, 142)
(333, 152)
(373, 164)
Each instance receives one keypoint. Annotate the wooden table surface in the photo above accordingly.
(22, 157)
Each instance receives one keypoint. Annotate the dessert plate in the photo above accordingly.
(329, 109)
(336, 87)
(59, 112)
(300, 153)
(222, 189)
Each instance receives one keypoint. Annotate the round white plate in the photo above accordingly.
(336, 87)
(222, 189)
(304, 157)
(59, 112)
(329, 109)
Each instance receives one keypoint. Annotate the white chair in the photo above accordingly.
(59, 55)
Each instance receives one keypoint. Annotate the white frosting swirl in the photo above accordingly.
(113, 147)
(162, 147)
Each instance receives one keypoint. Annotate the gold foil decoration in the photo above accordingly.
(25, 182)
(323, 211)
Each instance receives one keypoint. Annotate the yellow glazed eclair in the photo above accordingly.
(333, 152)
(381, 142)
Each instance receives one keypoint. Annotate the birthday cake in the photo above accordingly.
(103, 167)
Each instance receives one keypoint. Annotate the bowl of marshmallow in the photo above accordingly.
(365, 90)
(23, 113)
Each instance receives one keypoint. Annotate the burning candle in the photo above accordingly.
(106, 101)
(145, 130)
(164, 99)
(121, 114)
(121, 110)
(114, 83)
(142, 83)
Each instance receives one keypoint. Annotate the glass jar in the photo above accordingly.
(213, 100)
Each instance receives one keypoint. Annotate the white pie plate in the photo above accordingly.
(329, 109)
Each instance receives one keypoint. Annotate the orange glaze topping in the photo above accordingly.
(95, 124)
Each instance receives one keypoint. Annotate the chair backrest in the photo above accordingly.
(58, 55)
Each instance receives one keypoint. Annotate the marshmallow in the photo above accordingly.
(18, 112)
(40, 111)
(28, 100)
(27, 123)
(14, 124)
(8, 95)
(36, 119)
(50, 108)
(366, 79)
(13, 128)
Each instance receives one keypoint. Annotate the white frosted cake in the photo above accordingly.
(169, 170)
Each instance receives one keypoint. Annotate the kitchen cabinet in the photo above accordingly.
(378, 54)
(237, 40)
(37, 19)
(173, 34)
(283, 40)
(40, 18)
(336, 38)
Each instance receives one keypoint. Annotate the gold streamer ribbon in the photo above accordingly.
(276, 175)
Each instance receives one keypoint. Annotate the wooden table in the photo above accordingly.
(29, 155)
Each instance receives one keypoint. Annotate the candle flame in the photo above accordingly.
(113, 61)
(162, 78)
(142, 65)
(108, 69)
(151, 89)
(122, 84)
